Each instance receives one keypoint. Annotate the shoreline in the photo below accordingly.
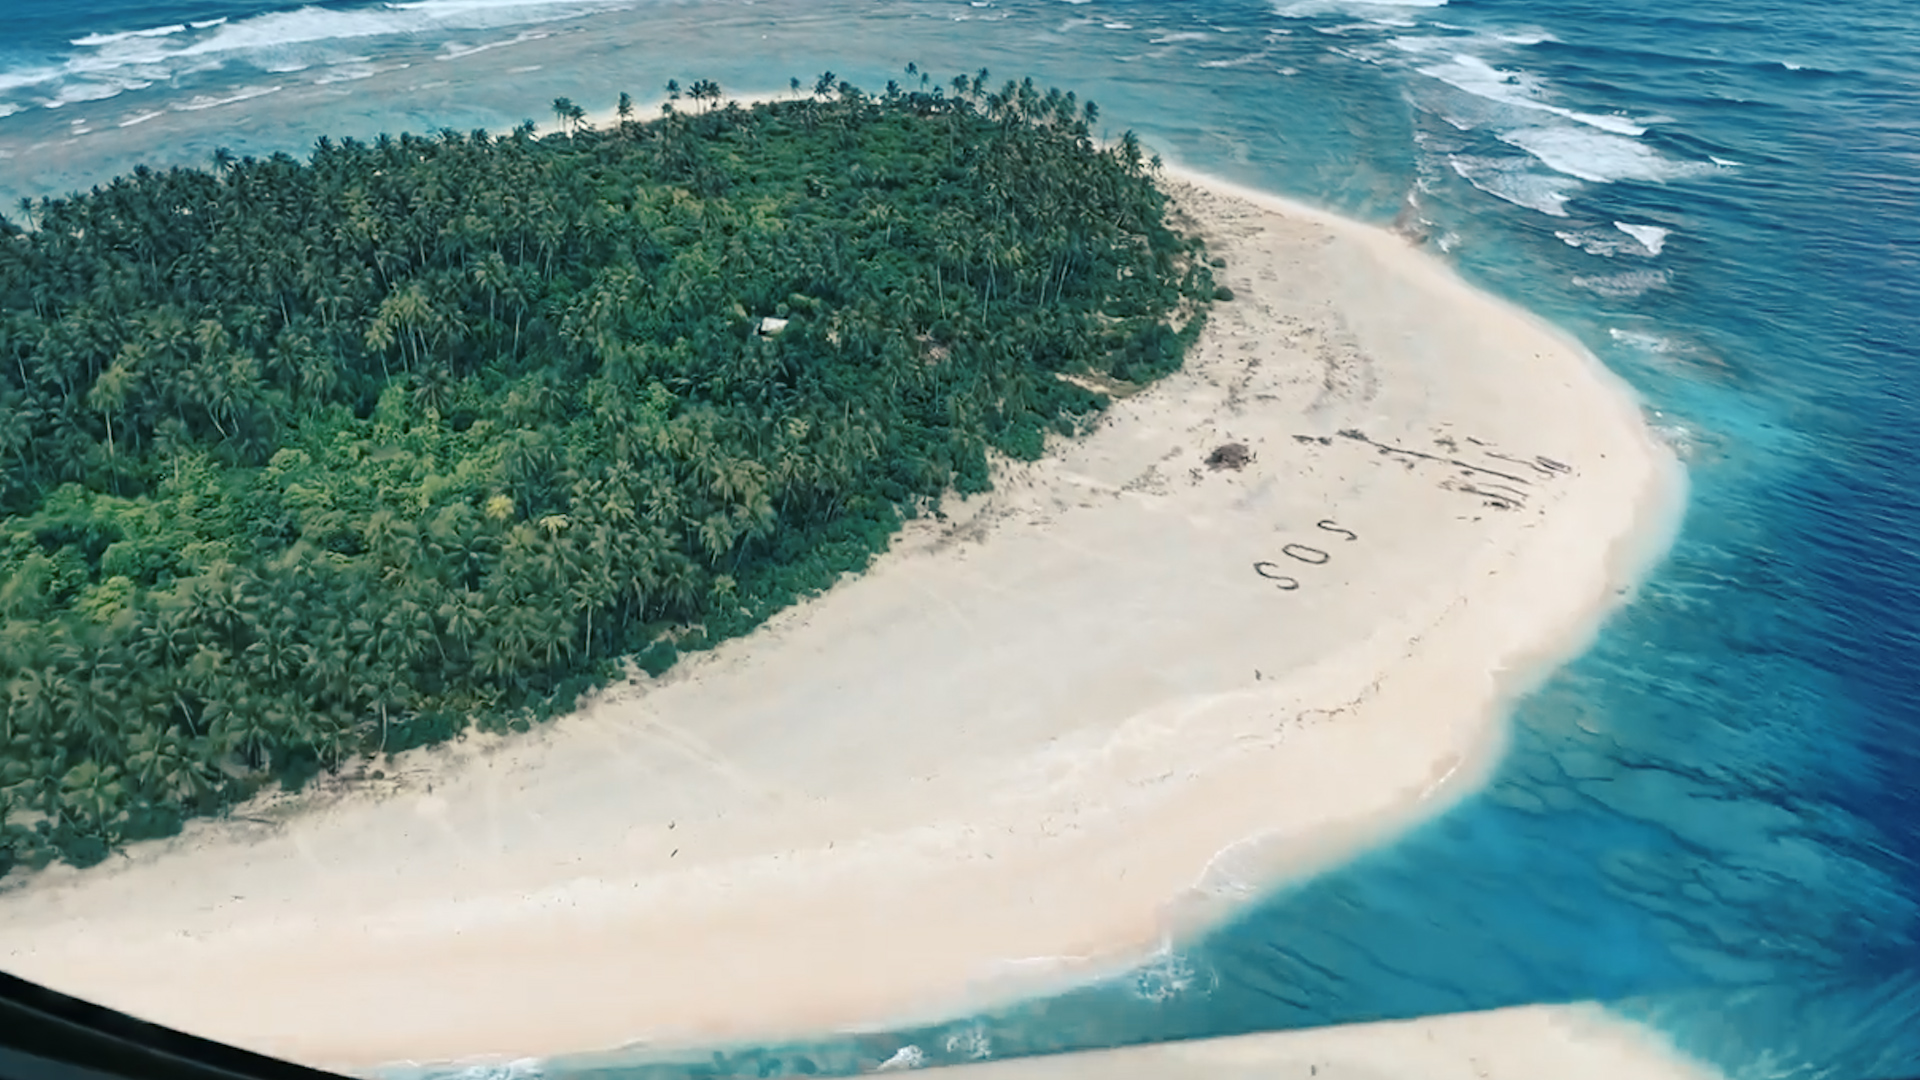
(1567, 1042)
(1059, 727)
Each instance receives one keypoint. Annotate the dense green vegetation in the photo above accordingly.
(305, 461)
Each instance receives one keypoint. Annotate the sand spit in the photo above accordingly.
(1102, 703)
(1570, 1042)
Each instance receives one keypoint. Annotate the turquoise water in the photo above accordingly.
(1710, 821)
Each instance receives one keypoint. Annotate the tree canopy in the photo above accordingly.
(310, 460)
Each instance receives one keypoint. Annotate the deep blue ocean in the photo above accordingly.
(1711, 821)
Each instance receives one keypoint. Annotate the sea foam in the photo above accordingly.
(206, 101)
(1597, 156)
(75, 92)
(1624, 286)
(907, 1057)
(1518, 89)
(1516, 181)
(1624, 238)
(1651, 237)
(276, 42)
(1237, 61)
(97, 40)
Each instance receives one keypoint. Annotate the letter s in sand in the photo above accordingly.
(1265, 570)
(1329, 526)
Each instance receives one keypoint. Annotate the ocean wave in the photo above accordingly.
(1668, 350)
(1515, 180)
(1624, 286)
(205, 101)
(307, 25)
(76, 92)
(1306, 9)
(1597, 156)
(445, 8)
(1519, 89)
(452, 51)
(96, 40)
(1642, 340)
(1237, 61)
(1679, 438)
(354, 73)
(1424, 44)
(19, 78)
(274, 42)
(1798, 68)
(1595, 241)
(1363, 56)
(7, 110)
(1183, 35)
(1651, 237)
(1505, 37)
(141, 118)
(1625, 238)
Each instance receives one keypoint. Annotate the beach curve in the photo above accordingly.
(1102, 704)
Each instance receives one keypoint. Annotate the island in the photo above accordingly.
(763, 570)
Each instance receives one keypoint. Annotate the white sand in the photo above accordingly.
(1056, 725)
(1534, 1043)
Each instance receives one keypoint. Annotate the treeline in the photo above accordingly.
(310, 460)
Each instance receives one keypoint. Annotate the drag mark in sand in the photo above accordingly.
(1501, 493)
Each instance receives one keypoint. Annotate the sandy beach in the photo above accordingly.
(1104, 703)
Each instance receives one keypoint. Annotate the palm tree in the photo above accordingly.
(464, 615)
(434, 389)
(91, 795)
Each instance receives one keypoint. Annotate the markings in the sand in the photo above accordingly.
(1329, 525)
(1287, 582)
(1312, 556)
(1303, 553)
(1499, 489)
